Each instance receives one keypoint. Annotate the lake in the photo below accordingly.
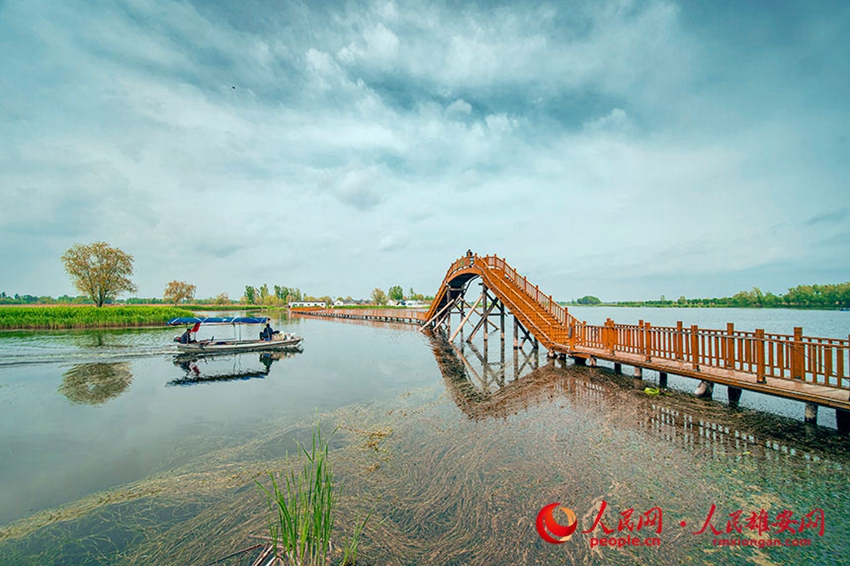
(115, 451)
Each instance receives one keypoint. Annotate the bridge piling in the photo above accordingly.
(662, 380)
(734, 395)
(705, 389)
(842, 420)
(811, 414)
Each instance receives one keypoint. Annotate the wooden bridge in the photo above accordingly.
(813, 370)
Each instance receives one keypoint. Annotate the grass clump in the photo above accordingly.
(302, 506)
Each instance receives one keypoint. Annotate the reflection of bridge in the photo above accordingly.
(490, 390)
(813, 370)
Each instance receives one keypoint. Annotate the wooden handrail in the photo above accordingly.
(821, 361)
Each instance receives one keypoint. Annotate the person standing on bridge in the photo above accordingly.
(469, 255)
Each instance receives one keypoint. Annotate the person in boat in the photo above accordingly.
(186, 337)
(267, 333)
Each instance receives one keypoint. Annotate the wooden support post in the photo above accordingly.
(463, 322)
(842, 420)
(647, 341)
(729, 341)
(618, 367)
(591, 362)
(638, 372)
(695, 347)
(516, 333)
(797, 354)
(734, 394)
(502, 321)
(485, 313)
(811, 414)
(680, 341)
(760, 356)
(641, 345)
(662, 379)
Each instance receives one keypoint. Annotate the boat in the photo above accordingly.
(188, 343)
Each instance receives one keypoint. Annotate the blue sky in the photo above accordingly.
(622, 149)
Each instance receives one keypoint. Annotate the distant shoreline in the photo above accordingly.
(654, 306)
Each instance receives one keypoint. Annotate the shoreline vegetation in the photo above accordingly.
(823, 297)
(50, 317)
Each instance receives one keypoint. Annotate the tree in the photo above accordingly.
(99, 271)
(177, 291)
(589, 300)
(378, 296)
(396, 293)
(250, 293)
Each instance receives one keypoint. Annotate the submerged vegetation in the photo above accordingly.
(51, 317)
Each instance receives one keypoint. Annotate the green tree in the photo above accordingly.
(263, 293)
(177, 291)
(378, 296)
(589, 300)
(100, 271)
(250, 294)
(396, 293)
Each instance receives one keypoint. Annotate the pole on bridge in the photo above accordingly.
(797, 354)
(516, 333)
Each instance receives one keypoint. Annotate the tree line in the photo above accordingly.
(103, 273)
(829, 296)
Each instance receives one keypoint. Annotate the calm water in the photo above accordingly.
(116, 452)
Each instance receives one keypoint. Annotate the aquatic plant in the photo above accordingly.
(302, 506)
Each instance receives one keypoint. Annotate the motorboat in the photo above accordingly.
(188, 342)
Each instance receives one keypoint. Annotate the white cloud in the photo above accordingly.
(551, 135)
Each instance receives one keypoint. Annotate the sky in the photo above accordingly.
(622, 149)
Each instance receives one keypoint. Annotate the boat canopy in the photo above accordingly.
(185, 320)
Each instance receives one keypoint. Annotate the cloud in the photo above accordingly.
(828, 217)
(393, 242)
(618, 137)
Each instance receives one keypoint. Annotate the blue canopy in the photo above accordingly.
(217, 320)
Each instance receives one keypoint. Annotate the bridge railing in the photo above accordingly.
(821, 361)
(533, 291)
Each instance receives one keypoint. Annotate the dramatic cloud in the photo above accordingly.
(625, 149)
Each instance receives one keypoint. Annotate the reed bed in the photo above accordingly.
(58, 317)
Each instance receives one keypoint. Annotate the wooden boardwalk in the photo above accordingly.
(813, 370)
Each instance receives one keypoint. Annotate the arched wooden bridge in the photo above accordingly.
(813, 370)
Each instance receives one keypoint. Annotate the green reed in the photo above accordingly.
(302, 507)
(86, 316)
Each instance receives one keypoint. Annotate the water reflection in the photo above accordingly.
(96, 383)
(495, 390)
(228, 367)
